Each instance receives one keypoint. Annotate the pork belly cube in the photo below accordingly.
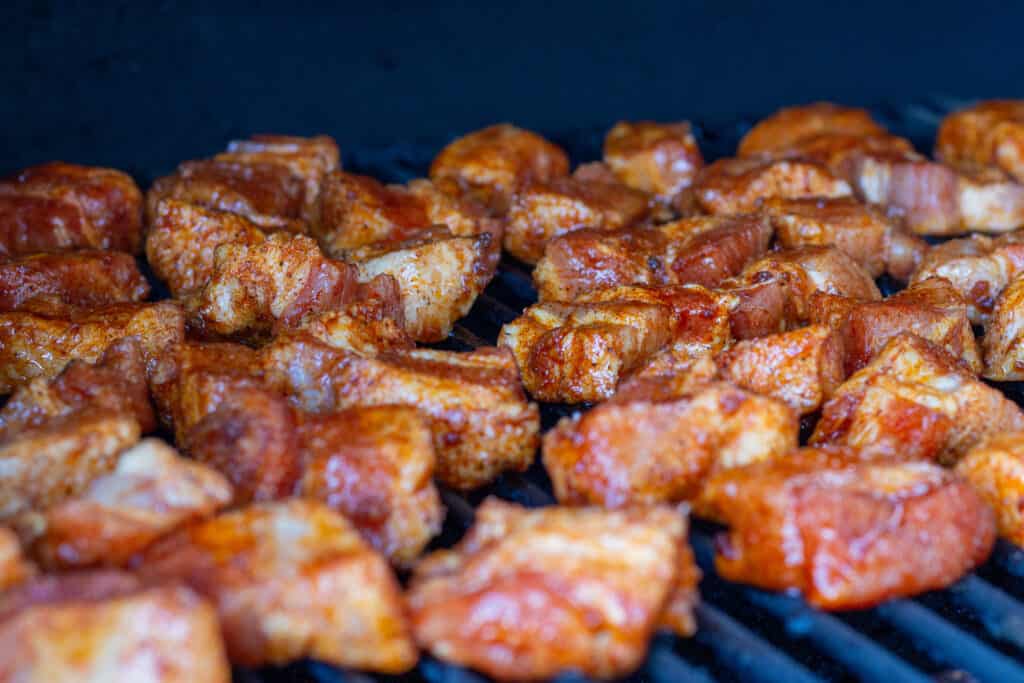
(801, 368)
(913, 400)
(528, 594)
(14, 567)
(645, 447)
(995, 468)
(41, 344)
(492, 164)
(847, 533)
(989, 201)
(978, 266)
(931, 309)
(542, 211)
(990, 133)
(62, 207)
(79, 279)
(94, 627)
(730, 186)
(150, 492)
(290, 580)
(440, 277)
(790, 125)
(703, 250)
(658, 158)
(761, 307)
(1002, 343)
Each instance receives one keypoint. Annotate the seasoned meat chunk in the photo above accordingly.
(42, 344)
(990, 133)
(493, 163)
(915, 401)
(542, 211)
(979, 267)
(1003, 343)
(862, 233)
(658, 158)
(730, 186)
(846, 532)
(790, 125)
(103, 626)
(290, 580)
(931, 309)
(528, 594)
(995, 468)
(800, 368)
(647, 447)
(150, 492)
(80, 279)
(61, 207)
(14, 568)
(702, 250)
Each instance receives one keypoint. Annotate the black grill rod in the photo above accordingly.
(664, 665)
(1009, 558)
(948, 645)
(1001, 615)
(855, 651)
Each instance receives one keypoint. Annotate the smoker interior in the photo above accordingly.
(972, 631)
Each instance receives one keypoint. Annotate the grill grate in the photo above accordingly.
(973, 631)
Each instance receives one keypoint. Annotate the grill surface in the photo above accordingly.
(972, 631)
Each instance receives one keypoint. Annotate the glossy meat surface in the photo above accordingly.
(701, 250)
(658, 158)
(801, 368)
(793, 124)
(915, 401)
(83, 279)
(61, 207)
(995, 468)
(528, 594)
(1003, 343)
(14, 568)
(846, 532)
(101, 627)
(493, 163)
(41, 344)
(730, 186)
(290, 580)
(990, 133)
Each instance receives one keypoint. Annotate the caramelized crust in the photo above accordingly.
(528, 594)
(702, 250)
(990, 133)
(290, 580)
(542, 211)
(650, 446)
(150, 492)
(658, 158)
(790, 125)
(915, 401)
(730, 186)
(14, 568)
(995, 468)
(845, 532)
(930, 308)
(83, 279)
(493, 163)
(61, 207)
(99, 627)
(1002, 343)
(800, 368)
(41, 344)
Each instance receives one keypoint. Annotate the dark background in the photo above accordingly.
(141, 86)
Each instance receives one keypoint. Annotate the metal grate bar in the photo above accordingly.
(1001, 615)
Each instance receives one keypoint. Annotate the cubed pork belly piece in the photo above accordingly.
(990, 133)
(846, 532)
(41, 344)
(648, 447)
(491, 164)
(978, 266)
(730, 186)
(150, 492)
(15, 568)
(801, 368)
(63, 207)
(661, 159)
(995, 468)
(529, 594)
(864, 234)
(290, 580)
(96, 627)
(79, 279)
(793, 124)
(932, 309)
(702, 250)
(542, 211)
(1003, 343)
(914, 400)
